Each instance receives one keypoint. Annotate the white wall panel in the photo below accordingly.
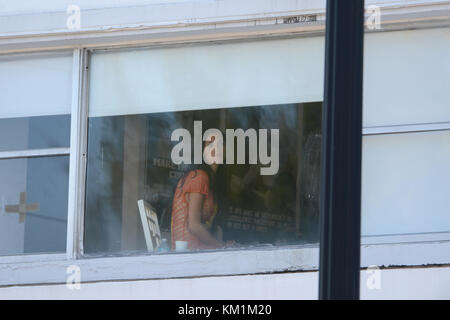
(407, 77)
(406, 183)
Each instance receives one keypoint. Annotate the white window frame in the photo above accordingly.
(389, 250)
(78, 145)
(35, 153)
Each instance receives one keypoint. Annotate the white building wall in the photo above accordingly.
(24, 26)
(51, 15)
(411, 283)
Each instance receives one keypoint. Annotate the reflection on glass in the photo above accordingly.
(33, 212)
(38, 132)
(129, 159)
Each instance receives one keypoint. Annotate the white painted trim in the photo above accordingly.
(406, 238)
(216, 23)
(26, 258)
(33, 153)
(143, 37)
(78, 149)
(406, 128)
(73, 165)
(34, 55)
(216, 263)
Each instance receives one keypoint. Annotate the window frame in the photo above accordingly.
(37, 153)
(376, 250)
(78, 155)
(83, 109)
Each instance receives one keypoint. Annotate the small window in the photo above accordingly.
(406, 154)
(34, 152)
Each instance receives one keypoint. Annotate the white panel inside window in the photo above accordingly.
(207, 76)
(406, 183)
(35, 85)
(407, 77)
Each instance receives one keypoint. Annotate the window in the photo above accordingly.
(35, 104)
(405, 176)
(406, 181)
(139, 98)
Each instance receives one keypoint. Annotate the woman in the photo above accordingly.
(194, 207)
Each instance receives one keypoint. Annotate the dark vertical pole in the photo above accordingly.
(341, 151)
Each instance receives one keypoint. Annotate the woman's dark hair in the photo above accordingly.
(212, 176)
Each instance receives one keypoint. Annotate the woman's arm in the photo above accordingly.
(195, 224)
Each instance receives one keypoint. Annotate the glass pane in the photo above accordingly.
(152, 112)
(130, 158)
(35, 100)
(33, 195)
(406, 183)
(35, 84)
(204, 77)
(35, 132)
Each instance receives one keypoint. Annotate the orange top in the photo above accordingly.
(196, 181)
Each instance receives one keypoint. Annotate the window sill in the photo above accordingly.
(214, 263)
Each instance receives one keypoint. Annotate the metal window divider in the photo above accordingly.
(78, 150)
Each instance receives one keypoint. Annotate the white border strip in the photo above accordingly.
(33, 153)
(406, 128)
(26, 258)
(406, 238)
